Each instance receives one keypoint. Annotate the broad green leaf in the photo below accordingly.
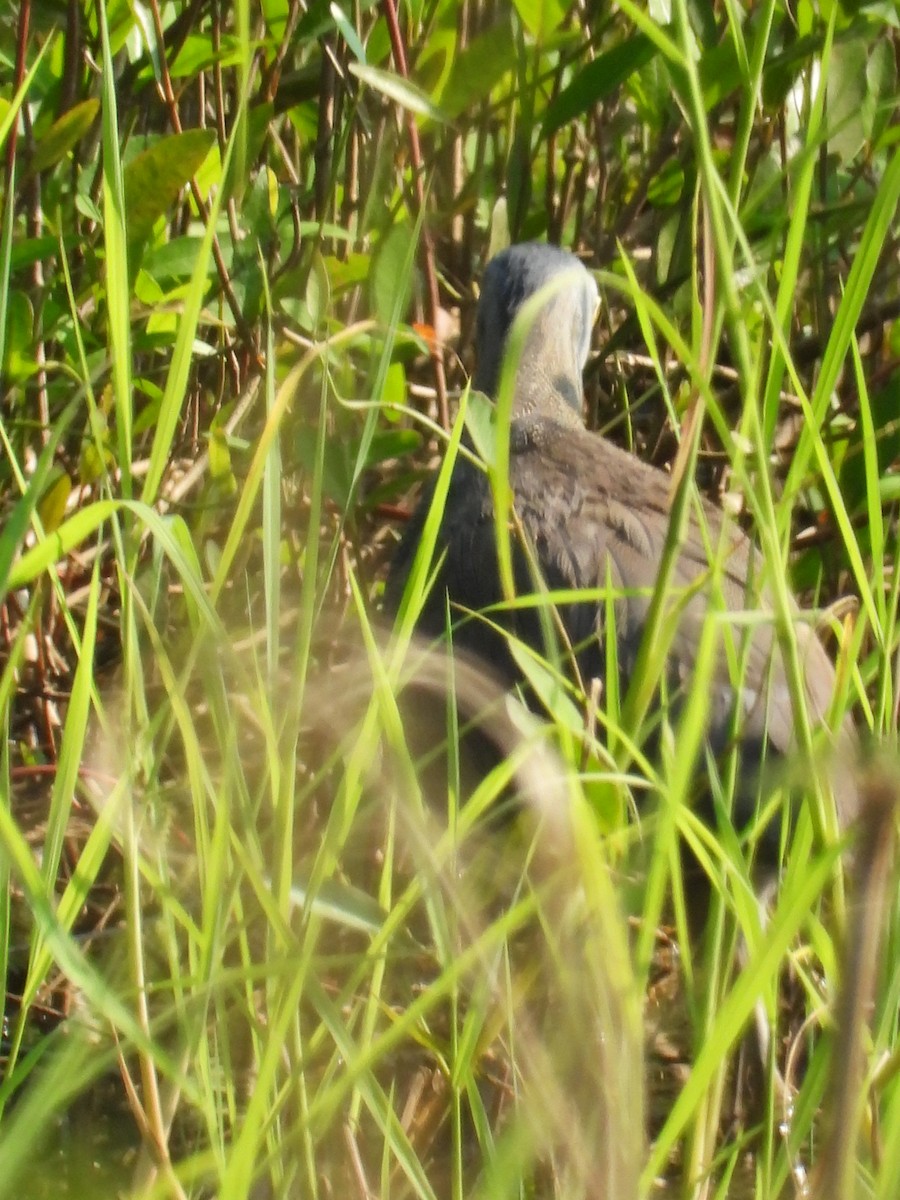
(541, 17)
(155, 177)
(52, 505)
(64, 134)
(720, 73)
(318, 291)
(272, 190)
(32, 250)
(433, 66)
(394, 389)
(198, 54)
(392, 277)
(783, 69)
(392, 443)
(598, 80)
(19, 336)
(92, 460)
(881, 81)
(176, 259)
(400, 90)
(347, 273)
(477, 69)
(849, 121)
(219, 455)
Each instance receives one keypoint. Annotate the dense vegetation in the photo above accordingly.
(252, 943)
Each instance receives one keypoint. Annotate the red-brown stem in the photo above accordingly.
(415, 153)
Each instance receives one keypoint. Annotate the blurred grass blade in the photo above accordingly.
(118, 292)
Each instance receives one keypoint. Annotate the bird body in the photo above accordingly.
(592, 515)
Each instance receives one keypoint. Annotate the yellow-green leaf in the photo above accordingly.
(154, 178)
(219, 454)
(64, 134)
(52, 505)
(541, 17)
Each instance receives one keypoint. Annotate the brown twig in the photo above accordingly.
(21, 47)
(415, 153)
(324, 134)
(272, 76)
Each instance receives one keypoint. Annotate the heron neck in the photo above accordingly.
(548, 381)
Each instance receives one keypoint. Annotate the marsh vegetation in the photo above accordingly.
(264, 933)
